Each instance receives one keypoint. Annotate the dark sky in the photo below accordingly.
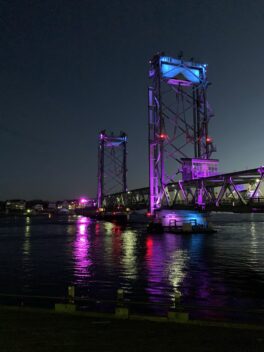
(70, 68)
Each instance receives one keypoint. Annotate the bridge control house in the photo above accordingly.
(193, 168)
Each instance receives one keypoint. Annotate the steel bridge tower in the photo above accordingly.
(178, 118)
(112, 165)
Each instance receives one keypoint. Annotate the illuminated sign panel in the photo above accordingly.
(177, 72)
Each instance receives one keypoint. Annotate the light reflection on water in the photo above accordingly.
(222, 269)
(253, 242)
(176, 268)
(26, 244)
(129, 255)
(81, 248)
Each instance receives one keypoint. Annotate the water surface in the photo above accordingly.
(41, 256)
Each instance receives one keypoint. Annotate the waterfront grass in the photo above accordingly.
(29, 330)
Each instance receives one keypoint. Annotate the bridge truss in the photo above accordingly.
(237, 191)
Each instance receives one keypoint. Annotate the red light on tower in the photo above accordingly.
(209, 140)
(163, 136)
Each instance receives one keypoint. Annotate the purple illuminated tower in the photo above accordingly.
(112, 165)
(178, 114)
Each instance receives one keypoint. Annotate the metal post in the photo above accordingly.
(198, 129)
(124, 162)
(71, 294)
(161, 131)
(121, 310)
(151, 117)
(100, 192)
(205, 124)
(194, 122)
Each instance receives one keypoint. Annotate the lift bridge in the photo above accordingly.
(182, 172)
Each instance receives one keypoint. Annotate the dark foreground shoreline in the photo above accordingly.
(36, 330)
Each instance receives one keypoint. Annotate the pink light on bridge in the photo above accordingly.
(83, 200)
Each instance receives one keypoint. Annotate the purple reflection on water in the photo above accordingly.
(83, 220)
(81, 247)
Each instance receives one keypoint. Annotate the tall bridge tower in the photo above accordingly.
(178, 118)
(112, 165)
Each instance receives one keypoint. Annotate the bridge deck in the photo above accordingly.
(235, 191)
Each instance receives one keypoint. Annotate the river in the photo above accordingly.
(212, 273)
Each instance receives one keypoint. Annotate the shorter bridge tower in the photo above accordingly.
(112, 165)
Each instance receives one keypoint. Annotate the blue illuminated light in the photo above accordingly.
(196, 217)
(114, 141)
(179, 72)
(183, 73)
(179, 217)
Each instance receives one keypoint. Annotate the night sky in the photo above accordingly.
(70, 68)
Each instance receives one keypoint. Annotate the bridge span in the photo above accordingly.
(236, 191)
(182, 172)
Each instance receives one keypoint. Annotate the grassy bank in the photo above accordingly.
(22, 330)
